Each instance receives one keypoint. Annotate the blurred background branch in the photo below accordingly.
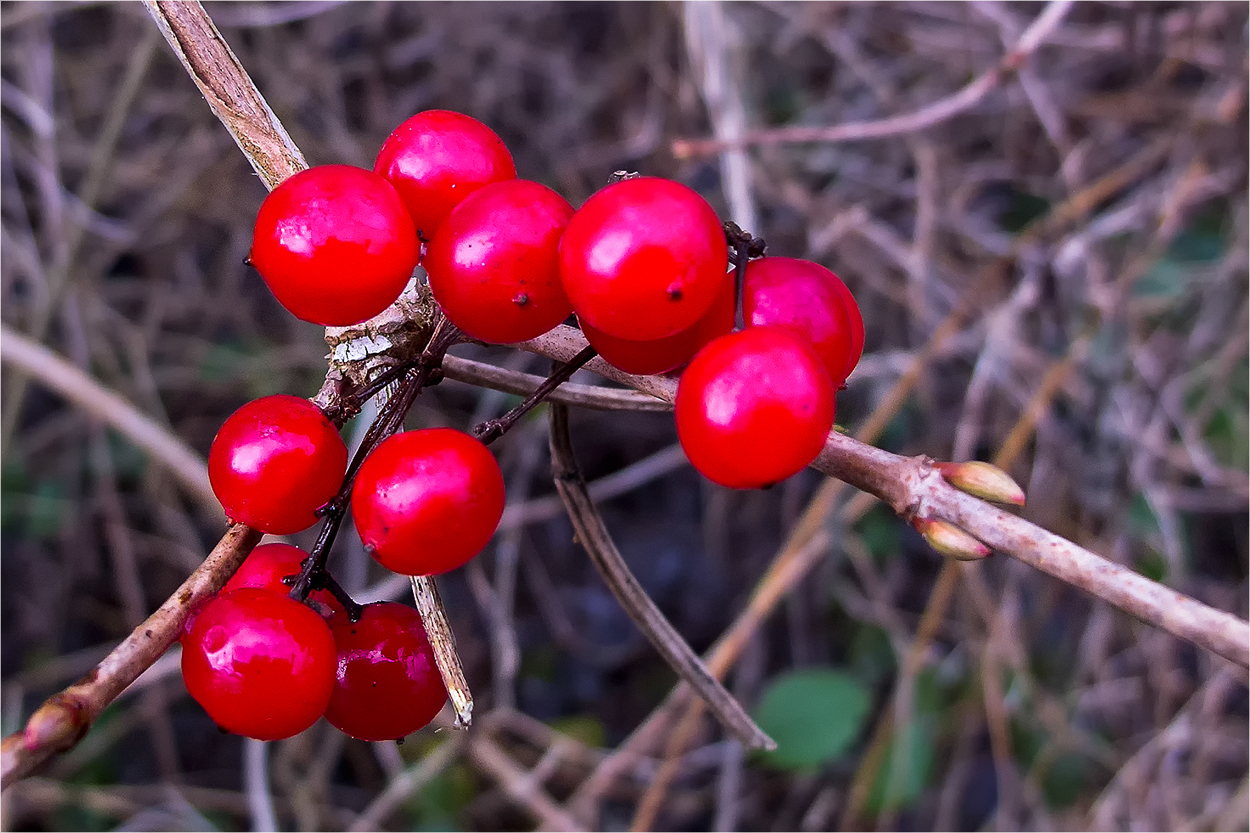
(1105, 347)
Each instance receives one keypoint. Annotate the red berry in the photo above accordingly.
(754, 407)
(437, 158)
(492, 264)
(665, 354)
(266, 567)
(260, 663)
(276, 461)
(426, 502)
(335, 244)
(643, 259)
(388, 685)
(856, 319)
(807, 298)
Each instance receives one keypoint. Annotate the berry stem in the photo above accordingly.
(329, 582)
(389, 420)
(745, 247)
(493, 429)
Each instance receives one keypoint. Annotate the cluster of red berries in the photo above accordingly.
(266, 666)
(646, 268)
(424, 502)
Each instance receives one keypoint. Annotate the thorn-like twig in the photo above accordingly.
(594, 537)
(493, 429)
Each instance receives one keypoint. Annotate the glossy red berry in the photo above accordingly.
(754, 407)
(807, 298)
(276, 461)
(492, 264)
(260, 663)
(665, 354)
(426, 502)
(387, 683)
(437, 158)
(856, 320)
(643, 259)
(266, 567)
(335, 244)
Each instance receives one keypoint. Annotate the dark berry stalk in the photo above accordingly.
(745, 247)
(493, 429)
(389, 419)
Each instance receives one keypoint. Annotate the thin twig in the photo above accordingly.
(784, 573)
(519, 784)
(562, 343)
(594, 397)
(594, 536)
(404, 784)
(915, 490)
(65, 717)
(256, 777)
(493, 429)
(925, 117)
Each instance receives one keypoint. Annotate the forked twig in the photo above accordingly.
(241, 108)
(594, 537)
(65, 717)
(914, 488)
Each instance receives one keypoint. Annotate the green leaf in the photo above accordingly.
(814, 714)
(896, 790)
